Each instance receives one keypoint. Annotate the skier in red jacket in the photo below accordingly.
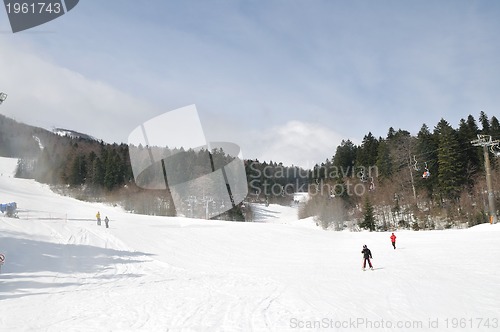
(393, 240)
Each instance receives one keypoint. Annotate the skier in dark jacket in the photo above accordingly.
(367, 254)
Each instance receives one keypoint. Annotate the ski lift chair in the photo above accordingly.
(3, 96)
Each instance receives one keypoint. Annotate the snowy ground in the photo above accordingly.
(65, 273)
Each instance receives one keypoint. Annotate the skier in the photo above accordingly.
(393, 240)
(106, 221)
(367, 254)
(98, 217)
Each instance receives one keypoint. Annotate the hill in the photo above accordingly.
(20, 140)
(145, 273)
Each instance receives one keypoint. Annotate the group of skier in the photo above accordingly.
(367, 254)
(98, 217)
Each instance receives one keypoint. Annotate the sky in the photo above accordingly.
(285, 80)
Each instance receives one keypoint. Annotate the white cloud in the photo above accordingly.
(44, 94)
(295, 143)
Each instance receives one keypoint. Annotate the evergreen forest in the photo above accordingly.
(434, 179)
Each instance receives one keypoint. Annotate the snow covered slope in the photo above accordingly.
(65, 273)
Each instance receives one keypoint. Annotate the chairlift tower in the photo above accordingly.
(486, 141)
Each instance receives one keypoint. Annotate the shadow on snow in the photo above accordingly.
(28, 261)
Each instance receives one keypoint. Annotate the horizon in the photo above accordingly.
(309, 168)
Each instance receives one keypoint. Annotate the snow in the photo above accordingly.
(64, 273)
(301, 197)
(280, 214)
(72, 134)
(40, 145)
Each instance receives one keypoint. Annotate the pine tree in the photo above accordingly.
(485, 123)
(451, 170)
(98, 172)
(367, 152)
(368, 216)
(384, 160)
(345, 156)
(494, 128)
(391, 133)
(78, 172)
(472, 157)
(113, 175)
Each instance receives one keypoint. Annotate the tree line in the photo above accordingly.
(384, 175)
(93, 170)
(432, 180)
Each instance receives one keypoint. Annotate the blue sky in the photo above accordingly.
(285, 80)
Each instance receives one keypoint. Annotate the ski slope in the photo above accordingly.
(64, 273)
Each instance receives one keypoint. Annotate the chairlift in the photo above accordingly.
(495, 149)
(426, 173)
(363, 178)
(3, 96)
(372, 184)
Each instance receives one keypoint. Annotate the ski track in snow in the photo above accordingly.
(65, 273)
